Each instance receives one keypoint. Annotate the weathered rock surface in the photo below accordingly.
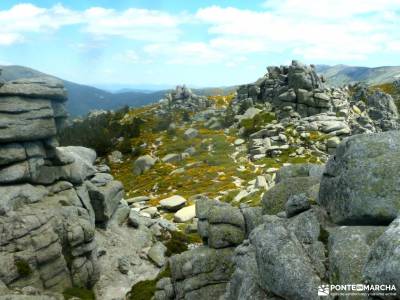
(284, 266)
(383, 262)
(274, 200)
(348, 250)
(202, 272)
(47, 222)
(360, 183)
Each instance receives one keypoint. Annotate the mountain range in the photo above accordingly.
(84, 98)
(341, 74)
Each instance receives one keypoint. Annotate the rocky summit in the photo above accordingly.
(277, 191)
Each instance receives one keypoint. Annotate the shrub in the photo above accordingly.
(81, 293)
(100, 132)
(257, 123)
(23, 267)
(144, 290)
(177, 243)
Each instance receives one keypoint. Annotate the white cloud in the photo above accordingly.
(324, 29)
(329, 30)
(7, 38)
(28, 18)
(135, 24)
(330, 9)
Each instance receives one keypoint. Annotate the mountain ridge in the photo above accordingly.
(343, 74)
(85, 98)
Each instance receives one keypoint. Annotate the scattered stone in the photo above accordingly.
(115, 157)
(123, 264)
(191, 133)
(185, 214)
(143, 164)
(157, 254)
(171, 158)
(173, 203)
(239, 142)
(138, 199)
(151, 211)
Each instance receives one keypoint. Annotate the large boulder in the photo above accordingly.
(383, 263)
(360, 185)
(220, 224)
(202, 273)
(274, 200)
(284, 266)
(245, 281)
(30, 109)
(348, 249)
(383, 111)
(105, 200)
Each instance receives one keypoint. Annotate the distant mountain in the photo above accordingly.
(341, 74)
(83, 98)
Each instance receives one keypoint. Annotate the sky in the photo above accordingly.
(199, 43)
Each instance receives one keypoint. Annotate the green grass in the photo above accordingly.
(144, 290)
(81, 293)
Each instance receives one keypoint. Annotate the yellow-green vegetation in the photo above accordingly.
(278, 161)
(23, 267)
(144, 290)
(258, 122)
(391, 89)
(388, 88)
(222, 101)
(252, 199)
(209, 171)
(80, 293)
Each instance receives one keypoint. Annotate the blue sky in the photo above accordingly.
(200, 43)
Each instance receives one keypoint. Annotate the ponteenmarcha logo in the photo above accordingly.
(356, 289)
(323, 290)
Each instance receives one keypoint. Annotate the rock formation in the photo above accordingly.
(52, 197)
(300, 100)
(288, 228)
(182, 98)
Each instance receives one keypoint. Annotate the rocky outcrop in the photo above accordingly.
(321, 116)
(297, 86)
(52, 196)
(202, 272)
(206, 270)
(182, 98)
